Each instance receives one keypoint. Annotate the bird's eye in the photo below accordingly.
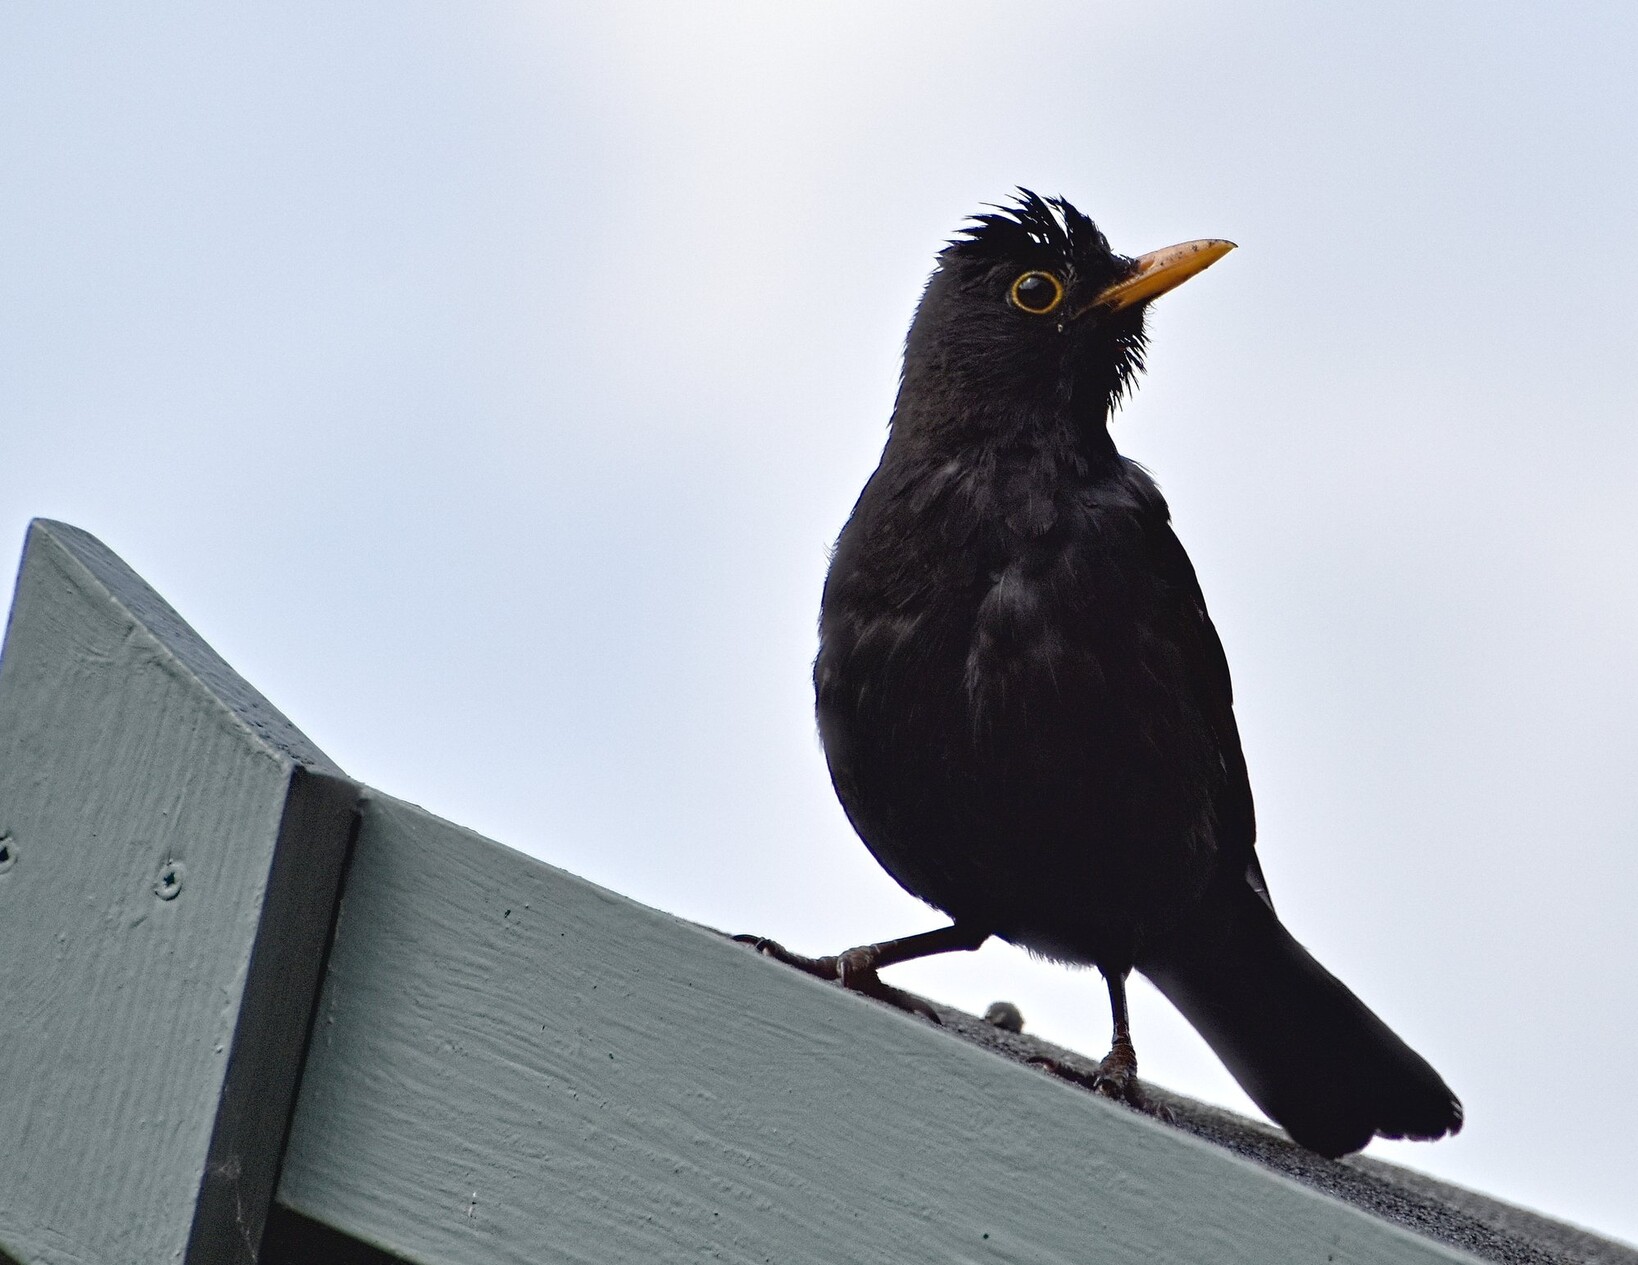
(1037, 293)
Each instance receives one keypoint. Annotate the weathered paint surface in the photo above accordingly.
(510, 1064)
(167, 874)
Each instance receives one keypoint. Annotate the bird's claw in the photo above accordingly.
(1121, 1087)
(854, 970)
(823, 968)
(1115, 1078)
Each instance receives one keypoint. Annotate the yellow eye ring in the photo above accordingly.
(1038, 293)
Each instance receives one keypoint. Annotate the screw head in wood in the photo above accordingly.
(169, 884)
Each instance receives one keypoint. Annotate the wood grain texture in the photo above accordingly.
(159, 962)
(512, 1065)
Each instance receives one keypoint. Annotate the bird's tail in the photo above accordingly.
(1306, 1050)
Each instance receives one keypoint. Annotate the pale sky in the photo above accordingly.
(486, 383)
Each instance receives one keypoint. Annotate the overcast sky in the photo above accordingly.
(486, 383)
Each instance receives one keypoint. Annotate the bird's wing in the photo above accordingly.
(1214, 690)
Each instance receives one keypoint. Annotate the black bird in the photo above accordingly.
(1027, 711)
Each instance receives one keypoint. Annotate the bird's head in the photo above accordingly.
(1030, 310)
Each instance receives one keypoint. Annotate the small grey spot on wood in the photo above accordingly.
(8, 851)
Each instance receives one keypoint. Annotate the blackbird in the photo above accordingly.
(1025, 707)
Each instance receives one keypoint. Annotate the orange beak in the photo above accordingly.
(1160, 271)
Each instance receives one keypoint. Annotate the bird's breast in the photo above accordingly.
(1010, 721)
(999, 604)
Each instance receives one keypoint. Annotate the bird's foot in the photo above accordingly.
(1115, 1077)
(854, 969)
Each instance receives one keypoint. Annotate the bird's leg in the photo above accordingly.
(856, 968)
(1116, 1076)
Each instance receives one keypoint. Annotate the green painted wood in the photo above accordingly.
(170, 852)
(510, 1064)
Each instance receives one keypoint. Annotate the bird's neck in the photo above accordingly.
(969, 426)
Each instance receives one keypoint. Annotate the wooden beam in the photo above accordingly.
(170, 853)
(510, 1064)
